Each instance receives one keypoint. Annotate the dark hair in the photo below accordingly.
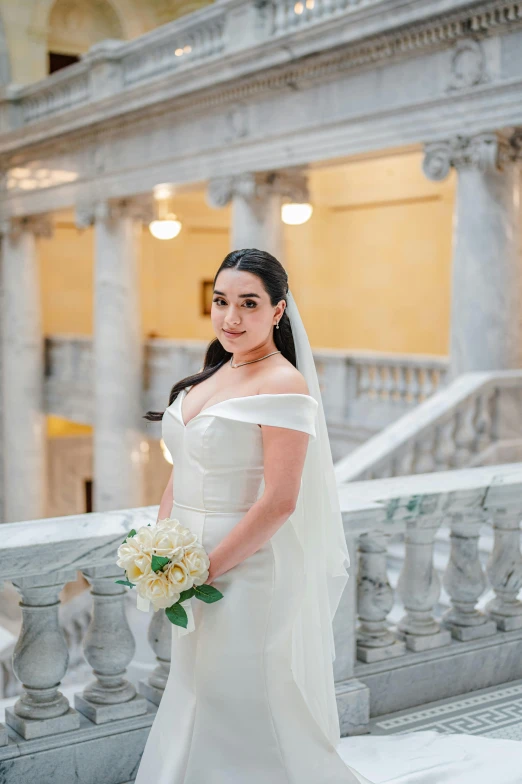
(275, 281)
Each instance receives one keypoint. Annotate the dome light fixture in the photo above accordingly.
(295, 214)
(166, 226)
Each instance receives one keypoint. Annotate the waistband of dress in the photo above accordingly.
(210, 511)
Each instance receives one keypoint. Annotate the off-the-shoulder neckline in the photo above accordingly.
(183, 393)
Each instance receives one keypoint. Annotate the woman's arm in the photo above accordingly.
(165, 507)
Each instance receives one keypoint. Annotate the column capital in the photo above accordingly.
(88, 213)
(290, 184)
(39, 225)
(486, 152)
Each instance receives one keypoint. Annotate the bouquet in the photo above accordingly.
(168, 566)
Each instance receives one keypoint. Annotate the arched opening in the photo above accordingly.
(75, 26)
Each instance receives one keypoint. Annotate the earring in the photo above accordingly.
(277, 326)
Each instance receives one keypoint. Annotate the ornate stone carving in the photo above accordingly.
(468, 65)
(89, 212)
(484, 151)
(39, 225)
(290, 184)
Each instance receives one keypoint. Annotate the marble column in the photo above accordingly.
(486, 308)
(117, 354)
(256, 200)
(22, 373)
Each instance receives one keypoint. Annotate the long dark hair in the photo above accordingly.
(275, 282)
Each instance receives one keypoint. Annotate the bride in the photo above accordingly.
(250, 696)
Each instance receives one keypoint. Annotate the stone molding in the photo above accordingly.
(290, 185)
(492, 17)
(484, 151)
(88, 213)
(39, 225)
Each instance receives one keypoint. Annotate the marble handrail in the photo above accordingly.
(449, 430)
(40, 556)
(353, 383)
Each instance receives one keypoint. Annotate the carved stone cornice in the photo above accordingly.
(258, 185)
(39, 225)
(486, 152)
(88, 213)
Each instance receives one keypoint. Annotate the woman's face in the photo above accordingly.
(241, 305)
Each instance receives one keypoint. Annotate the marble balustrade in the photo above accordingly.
(474, 420)
(379, 666)
(356, 386)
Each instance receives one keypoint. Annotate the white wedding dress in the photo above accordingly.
(231, 712)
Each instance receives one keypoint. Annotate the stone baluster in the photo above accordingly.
(40, 660)
(374, 601)
(3, 729)
(484, 421)
(402, 384)
(486, 329)
(424, 449)
(464, 579)
(364, 381)
(465, 435)
(504, 569)
(445, 445)
(108, 647)
(419, 588)
(256, 200)
(160, 640)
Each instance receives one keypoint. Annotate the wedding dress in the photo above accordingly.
(232, 712)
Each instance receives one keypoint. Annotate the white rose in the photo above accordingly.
(138, 568)
(144, 537)
(167, 543)
(179, 576)
(128, 551)
(158, 589)
(197, 564)
(169, 524)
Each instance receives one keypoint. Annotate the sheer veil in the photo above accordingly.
(318, 523)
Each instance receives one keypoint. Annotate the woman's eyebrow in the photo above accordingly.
(241, 295)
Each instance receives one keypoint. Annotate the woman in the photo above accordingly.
(250, 696)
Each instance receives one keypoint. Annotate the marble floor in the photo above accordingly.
(495, 712)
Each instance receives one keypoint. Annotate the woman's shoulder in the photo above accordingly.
(284, 378)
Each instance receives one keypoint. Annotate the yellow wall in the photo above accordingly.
(370, 270)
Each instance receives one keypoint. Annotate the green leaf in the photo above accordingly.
(186, 594)
(207, 593)
(177, 615)
(125, 582)
(158, 562)
(131, 533)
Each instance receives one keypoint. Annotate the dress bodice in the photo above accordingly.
(218, 454)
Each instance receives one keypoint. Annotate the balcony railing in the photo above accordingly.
(391, 666)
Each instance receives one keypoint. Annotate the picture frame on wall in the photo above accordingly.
(207, 287)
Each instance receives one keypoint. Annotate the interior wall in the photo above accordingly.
(370, 270)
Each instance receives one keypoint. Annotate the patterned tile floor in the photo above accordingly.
(495, 712)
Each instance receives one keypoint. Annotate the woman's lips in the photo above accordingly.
(232, 334)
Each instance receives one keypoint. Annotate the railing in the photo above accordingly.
(39, 557)
(472, 421)
(206, 36)
(356, 386)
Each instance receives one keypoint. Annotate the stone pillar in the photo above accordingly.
(486, 310)
(117, 355)
(22, 373)
(256, 206)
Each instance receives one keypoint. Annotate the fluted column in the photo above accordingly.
(256, 200)
(486, 327)
(117, 355)
(22, 373)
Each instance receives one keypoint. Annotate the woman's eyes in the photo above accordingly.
(250, 301)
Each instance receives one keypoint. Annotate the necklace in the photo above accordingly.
(253, 360)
